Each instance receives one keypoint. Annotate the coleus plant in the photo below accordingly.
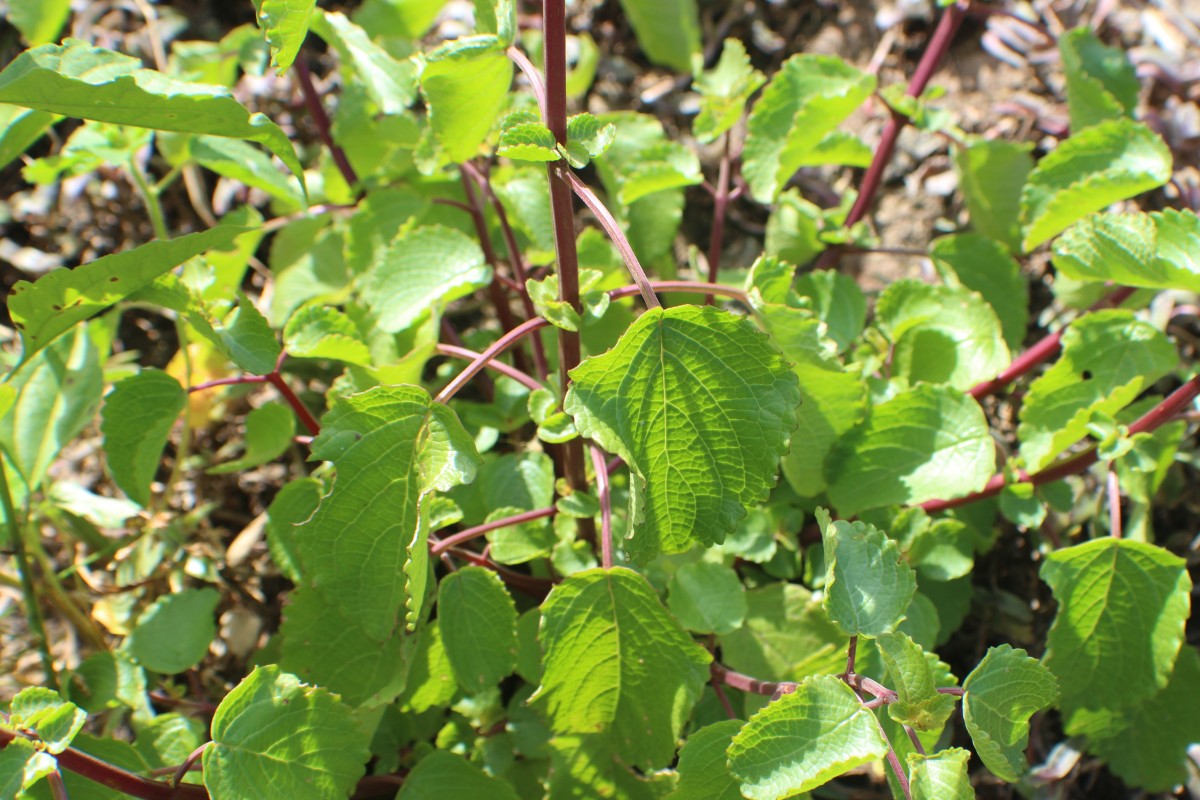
(541, 547)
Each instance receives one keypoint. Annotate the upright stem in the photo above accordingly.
(720, 204)
(158, 220)
(602, 491)
(312, 102)
(33, 611)
(554, 32)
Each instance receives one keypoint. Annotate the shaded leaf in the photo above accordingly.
(984, 266)
(389, 82)
(942, 776)
(668, 31)
(1101, 82)
(999, 697)
(442, 774)
(269, 432)
(136, 422)
(174, 633)
(479, 627)
(702, 771)
(991, 174)
(707, 598)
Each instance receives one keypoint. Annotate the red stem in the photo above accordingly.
(483, 359)
(302, 412)
(720, 207)
(464, 536)
(602, 492)
(312, 102)
(235, 381)
(504, 369)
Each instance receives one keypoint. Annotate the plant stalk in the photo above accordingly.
(33, 611)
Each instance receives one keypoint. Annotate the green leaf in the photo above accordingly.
(806, 99)
(704, 432)
(479, 627)
(617, 663)
(169, 739)
(940, 334)
(942, 776)
(21, 766)
(837, 301)
(1155, 251)
(465, 84)
(19, 129)
(1147, 745)
(991, 174)
(984, 266)
(668, 31)
(41, 311)
(1108, 357)
(39, 21)
(707, 598)
(931, 441)
(1120, 622)
(1101, 83)
(285, 25)
(243, 162)
(587, 138)
(431, 681)
(136, 422)
(702, 771)
(999, 697)
(78, 80)
(912, 674)
(1093, 169)
(248, 340)
(57, 392)
(317, 331)
(269, 432)
(420, 272)
(389, 82)
(175, 632)
(274, 731)
(669, 165)
(294, 504)
(724, 91)
(805, 739)
(585, 767)
(392, 446)
(868, 585)
(441, 775)
(523, 137)
(787, 636)
(54, 720)
(794, 229)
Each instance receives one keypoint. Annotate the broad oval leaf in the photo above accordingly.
(806, 99)
(1156, 251)
(703, 774)
(421, 271)
(667, 30)
(54, 720)
(707, 598)
(1122, 606)
(805, 739)
(999, 697)
(1108, 358)
(912, 673)
(274, 731)
(442, 774)
(136, 422)
(1091, 170)
(868, 584)
(941, 776)
(983, 265)
(616, 663)
(931, 441)
(60, 299)
(269, 432)
(991, 174)
(700, 406)
(78, 80)
(1101, 81)
(465, 84)
(175, 632)
(479, 627)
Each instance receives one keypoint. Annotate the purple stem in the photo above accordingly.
(234, 381)
(602, 492)
(463, 536)
(483, 359)
(302, 412)
(312, 102)
(720, 207)
(523, 378)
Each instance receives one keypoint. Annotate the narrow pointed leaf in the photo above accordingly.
(419, 273)
(704, 431)
(60, 299)
(78, 80)
(1155, 251)
(931, 441)
(868, 585)
(1120, 623)
(703, 774)
(615, 662)
(1091, 170)
(1108, 358)
(136, 422)
(999, 697)
(479, 627)
(805, 739)
(912, 674)
(806, 99)
(19, 129)
(54, 720)
(943, 776)
(274, 731)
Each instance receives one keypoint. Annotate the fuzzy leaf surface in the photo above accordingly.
(806, 99)
(1108, 357)
(136, 422)
(931, 441)
(912, 673)
(1121, 611)
(274, 731)
(1156, 251)
(58, 300)
(700, 406)
(317, 331)
(868, 584)
(804, 739)
(1091, 170)
(479, 627)
(615, 662)
(78, 80)
(422, 269)
(942, 776)
(999, 697)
